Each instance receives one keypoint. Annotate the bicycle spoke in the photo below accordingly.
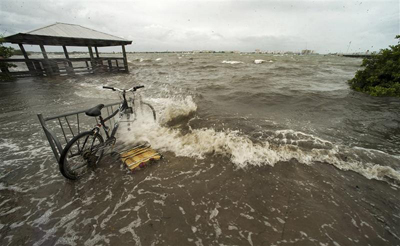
(84, 143)
(75, 154)
(91, 147)
(78, 167)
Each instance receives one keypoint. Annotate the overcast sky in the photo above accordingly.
(160, 25)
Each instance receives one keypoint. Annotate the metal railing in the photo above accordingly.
(68, 125)
(63, 66)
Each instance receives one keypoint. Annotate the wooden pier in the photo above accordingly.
(61, 34)
(358, 55)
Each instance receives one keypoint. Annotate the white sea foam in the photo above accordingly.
(8, 145)
(232, 62)
(243, 151)
(171, 108)
(231, 228)
(249, 217)
(144, 60)
(214, 213)
(259, 61)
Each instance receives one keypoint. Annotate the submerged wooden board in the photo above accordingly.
(139, 155)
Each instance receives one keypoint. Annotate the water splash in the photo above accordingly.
(243, 151)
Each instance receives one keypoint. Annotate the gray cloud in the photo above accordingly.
(325, 26)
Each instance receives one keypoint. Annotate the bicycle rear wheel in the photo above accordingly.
(81, 154)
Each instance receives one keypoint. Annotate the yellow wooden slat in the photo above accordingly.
(141, 154)
(134, 150)
(141, 157)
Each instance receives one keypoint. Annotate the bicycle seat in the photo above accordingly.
(95, 111)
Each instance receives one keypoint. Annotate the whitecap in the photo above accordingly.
(232, 62)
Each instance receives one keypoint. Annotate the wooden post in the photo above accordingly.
(97, 61)
(47, 66)
(97, 52)
(38, 68)
(92, 62)
(87, 65)
(29, 64)
(70, 68)
(110, 65)
(125, 60)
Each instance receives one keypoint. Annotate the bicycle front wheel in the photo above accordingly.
(81, 154)
(147, 111)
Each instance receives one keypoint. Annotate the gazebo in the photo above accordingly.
(63, 34)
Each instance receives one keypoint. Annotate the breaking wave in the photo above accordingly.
(243, 151)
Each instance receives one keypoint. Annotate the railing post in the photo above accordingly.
(38, 68)
(109, 65)
(47, 65)
(49, 138)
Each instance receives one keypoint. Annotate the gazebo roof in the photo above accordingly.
(68, 35)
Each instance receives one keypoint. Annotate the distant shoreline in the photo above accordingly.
(213, 52)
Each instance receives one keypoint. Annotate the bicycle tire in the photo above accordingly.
(85, 157)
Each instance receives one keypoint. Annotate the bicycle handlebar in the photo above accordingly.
(109, 87)
(122, 90)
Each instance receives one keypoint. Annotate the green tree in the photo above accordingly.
(381, 73)
(5, 52)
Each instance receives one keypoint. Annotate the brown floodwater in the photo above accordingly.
(277, 153)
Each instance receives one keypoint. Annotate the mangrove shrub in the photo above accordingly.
(381, 73)
(5, 52)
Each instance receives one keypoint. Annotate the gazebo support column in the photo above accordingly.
(97, 52)
(125, 60)
(92, 61)
(47, 65)
(29, 63)
(69, 68)
(99, 62)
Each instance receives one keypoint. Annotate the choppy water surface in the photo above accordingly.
(274, 153)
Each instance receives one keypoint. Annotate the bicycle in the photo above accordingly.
(86, 149)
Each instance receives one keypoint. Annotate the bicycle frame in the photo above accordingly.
(123, 109)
